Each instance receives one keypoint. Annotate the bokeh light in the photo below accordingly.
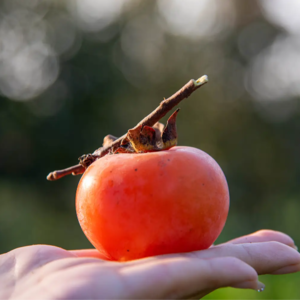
(197, 19)
(275, 72)
(283, 13)
(28, 64)
(96, 15)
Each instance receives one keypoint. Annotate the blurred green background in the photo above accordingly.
(73, 71)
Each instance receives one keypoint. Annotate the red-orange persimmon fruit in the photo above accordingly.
(137, 205)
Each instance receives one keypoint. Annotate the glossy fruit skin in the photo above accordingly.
(132, 206)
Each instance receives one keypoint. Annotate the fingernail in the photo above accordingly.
(258, 286)
(295, 247)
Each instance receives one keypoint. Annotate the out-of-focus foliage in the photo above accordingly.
(73, 71)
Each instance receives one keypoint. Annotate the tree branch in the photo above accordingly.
(164, 107)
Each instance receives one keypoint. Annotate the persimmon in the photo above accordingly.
(141, 195)
(137, 205)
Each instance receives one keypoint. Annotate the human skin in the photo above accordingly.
(49, 272)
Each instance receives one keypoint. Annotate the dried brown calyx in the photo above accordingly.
(145, 138)
(148, 135)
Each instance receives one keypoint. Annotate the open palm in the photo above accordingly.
(48, 272)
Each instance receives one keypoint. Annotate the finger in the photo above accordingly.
(264, 236)
(287, 270)
(264, 257)
(179, 276)
(258, 236)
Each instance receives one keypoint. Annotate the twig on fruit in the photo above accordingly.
(112, 144)
(74, 170)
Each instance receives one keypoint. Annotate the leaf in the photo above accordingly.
(125, 147)
(158, 127)
(169, 136)
(87, 159)
(108, 140)
(142, 138)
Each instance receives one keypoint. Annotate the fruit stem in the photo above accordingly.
(165, 106)
(74, 170)
(201, 81)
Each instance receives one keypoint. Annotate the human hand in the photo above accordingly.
(48, 272)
